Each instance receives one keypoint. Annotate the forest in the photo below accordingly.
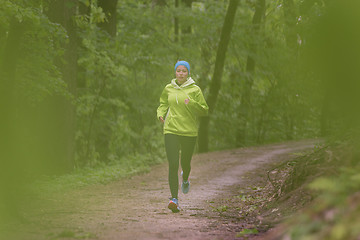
(80, 81)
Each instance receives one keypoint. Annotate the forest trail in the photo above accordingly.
(136, 208)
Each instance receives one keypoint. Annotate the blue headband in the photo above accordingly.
(184, 63)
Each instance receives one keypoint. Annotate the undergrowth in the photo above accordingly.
(101, 174)
(330, 178)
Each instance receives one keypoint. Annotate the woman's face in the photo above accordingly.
(181, 74)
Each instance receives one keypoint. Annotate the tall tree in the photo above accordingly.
(215, 84)
(63, 12)
(176, 23)
(109, 8)
(186, 28)
(291, 42)
(245, 104)
(11, 165)
(160, 3)
(290, 23)
(182, 30)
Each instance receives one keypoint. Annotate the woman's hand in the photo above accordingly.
(187, 101)
(161, 119)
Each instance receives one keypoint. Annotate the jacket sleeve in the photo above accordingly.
(198, 104)
(164, 105)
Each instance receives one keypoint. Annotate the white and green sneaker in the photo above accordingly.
(174, 205)
(185, 185)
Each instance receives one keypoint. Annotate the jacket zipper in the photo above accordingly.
(167, 114)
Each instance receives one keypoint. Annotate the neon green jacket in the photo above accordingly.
(180, 118)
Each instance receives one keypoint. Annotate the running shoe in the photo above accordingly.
(174, 205)
(185, 185)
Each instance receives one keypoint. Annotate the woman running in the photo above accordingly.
(181, 103)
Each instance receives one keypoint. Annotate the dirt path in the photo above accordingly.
(136, 208)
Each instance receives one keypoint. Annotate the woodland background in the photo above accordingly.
(80, 80)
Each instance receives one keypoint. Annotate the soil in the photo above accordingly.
(229, 195)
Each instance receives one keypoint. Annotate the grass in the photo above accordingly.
(102, 174)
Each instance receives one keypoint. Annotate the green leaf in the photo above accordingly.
(222, 209)
(322, 184)
(247, 232)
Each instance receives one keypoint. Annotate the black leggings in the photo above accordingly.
(174, 144)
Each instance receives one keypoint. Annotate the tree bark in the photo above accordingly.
(244, 109)
(109, 8)
(291, 42)
(186, 29)
(159, 3)
(215, 84)
(12, 168)
(61, 109)
(263, 118)
(290, 24)
(176, 23)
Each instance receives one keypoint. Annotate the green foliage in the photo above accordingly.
(335, 212)
(37, 75)
(330, 176)
(245, 232)
(221, 209)
(115, 107)
(300, 89)
(119, 78)
(284, 105)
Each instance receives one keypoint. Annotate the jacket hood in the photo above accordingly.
(188, 82)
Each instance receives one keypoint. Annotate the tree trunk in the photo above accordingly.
(290, 24)
(241, 133)
(291, 42)
(176, 23)
(289, 125)
(216, 80)
(109, 8)
(325, 114)
(186, 28)
(159, 3)
(12, 167)
(206, 52)
(261, 126)
(63, 111)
